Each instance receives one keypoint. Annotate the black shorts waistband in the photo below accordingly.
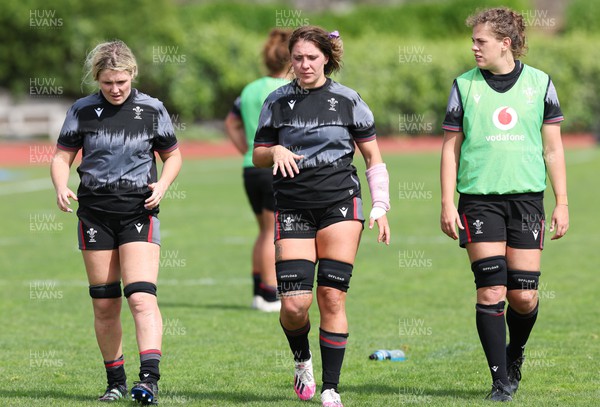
(528, 196)
(257, 170)
(296, 205)
(101, 214)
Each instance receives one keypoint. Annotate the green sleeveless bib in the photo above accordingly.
(502, 149)
(252, 99)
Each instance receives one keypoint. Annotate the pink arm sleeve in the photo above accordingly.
(379, 185)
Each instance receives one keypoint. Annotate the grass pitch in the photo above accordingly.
(416, 295)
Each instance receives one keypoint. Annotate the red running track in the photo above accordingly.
(39, 153)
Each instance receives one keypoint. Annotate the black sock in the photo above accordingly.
(298, 340)
(256, 283)
(519, 328)
(115, 371)
(268, 292)
(492, 334)
(149, 361)
(333, 347)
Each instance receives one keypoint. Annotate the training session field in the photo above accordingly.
(417, 295)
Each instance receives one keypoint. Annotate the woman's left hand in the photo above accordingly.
(384, 229)
(158, 192)
(559, 221)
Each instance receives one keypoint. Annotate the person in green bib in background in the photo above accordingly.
(240, 126)
(501, 137)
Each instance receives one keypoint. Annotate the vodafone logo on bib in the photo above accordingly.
(505, 118)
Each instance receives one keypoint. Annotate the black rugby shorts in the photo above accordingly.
(258, 183)
(304, 223)
(98, 232)
(514, 219)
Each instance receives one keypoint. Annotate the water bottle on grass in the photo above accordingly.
(395, 355)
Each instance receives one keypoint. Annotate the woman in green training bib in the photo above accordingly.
(501, 137)
(240, 126)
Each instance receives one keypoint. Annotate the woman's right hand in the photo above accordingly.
(62, 199)
(449, 220)
(285, 161)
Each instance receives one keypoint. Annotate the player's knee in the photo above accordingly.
(490, 271)
(524, 305)
(107, 309)
(334, 274)
(491, 295)
(331, 300)
(295, 308)
(112, 290)
(141, 304)
(295, 275)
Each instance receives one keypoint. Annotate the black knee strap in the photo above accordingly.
(139, 287)
(335, 274)
(295, 275)
(523, 280)
(112, 290)
(490, 271)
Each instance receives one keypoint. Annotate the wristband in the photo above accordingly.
(379, 185)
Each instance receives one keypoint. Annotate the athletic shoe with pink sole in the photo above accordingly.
(304, 381)
(330, 398)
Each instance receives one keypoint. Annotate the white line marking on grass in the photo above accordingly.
(33, 185)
